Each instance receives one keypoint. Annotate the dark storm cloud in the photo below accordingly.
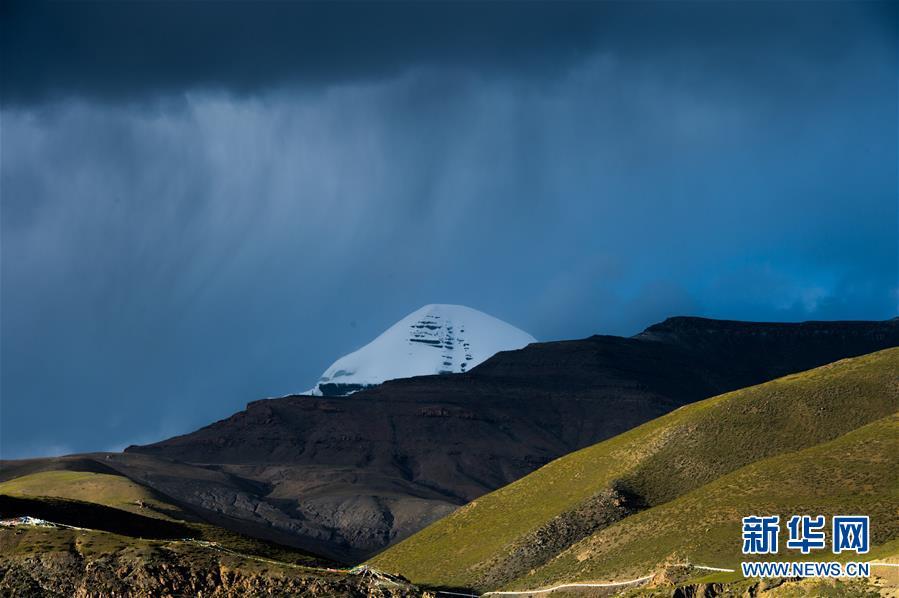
(126, 49)
(207, 203)
(135, 49)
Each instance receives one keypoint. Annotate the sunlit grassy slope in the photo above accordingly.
(125, 526)
(658, 461)
(105, 489)
(62, 495)
(857, 473)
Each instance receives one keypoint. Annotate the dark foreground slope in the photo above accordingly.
(674, 489)
(348, 476)
(88, 533)
(42, 558)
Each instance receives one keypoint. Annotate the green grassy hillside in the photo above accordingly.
(114, 503)
(105, 489)
(856, 473)
(481, 544)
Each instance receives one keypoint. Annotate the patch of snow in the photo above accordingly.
(434, 339)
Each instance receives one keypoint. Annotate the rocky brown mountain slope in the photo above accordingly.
(347, 476)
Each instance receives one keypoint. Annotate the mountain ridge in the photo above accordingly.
(374, 467)
(347, 476)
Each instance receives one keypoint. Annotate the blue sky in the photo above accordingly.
(211, 209)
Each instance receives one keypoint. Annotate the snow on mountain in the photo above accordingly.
(434, 339)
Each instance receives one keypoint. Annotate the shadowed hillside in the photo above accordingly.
(348, 476)
(376, 466)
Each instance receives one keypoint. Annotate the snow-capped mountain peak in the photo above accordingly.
(434, 339)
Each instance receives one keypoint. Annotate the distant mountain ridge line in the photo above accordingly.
(347, 476)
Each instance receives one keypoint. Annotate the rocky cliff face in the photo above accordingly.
(346, 476)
